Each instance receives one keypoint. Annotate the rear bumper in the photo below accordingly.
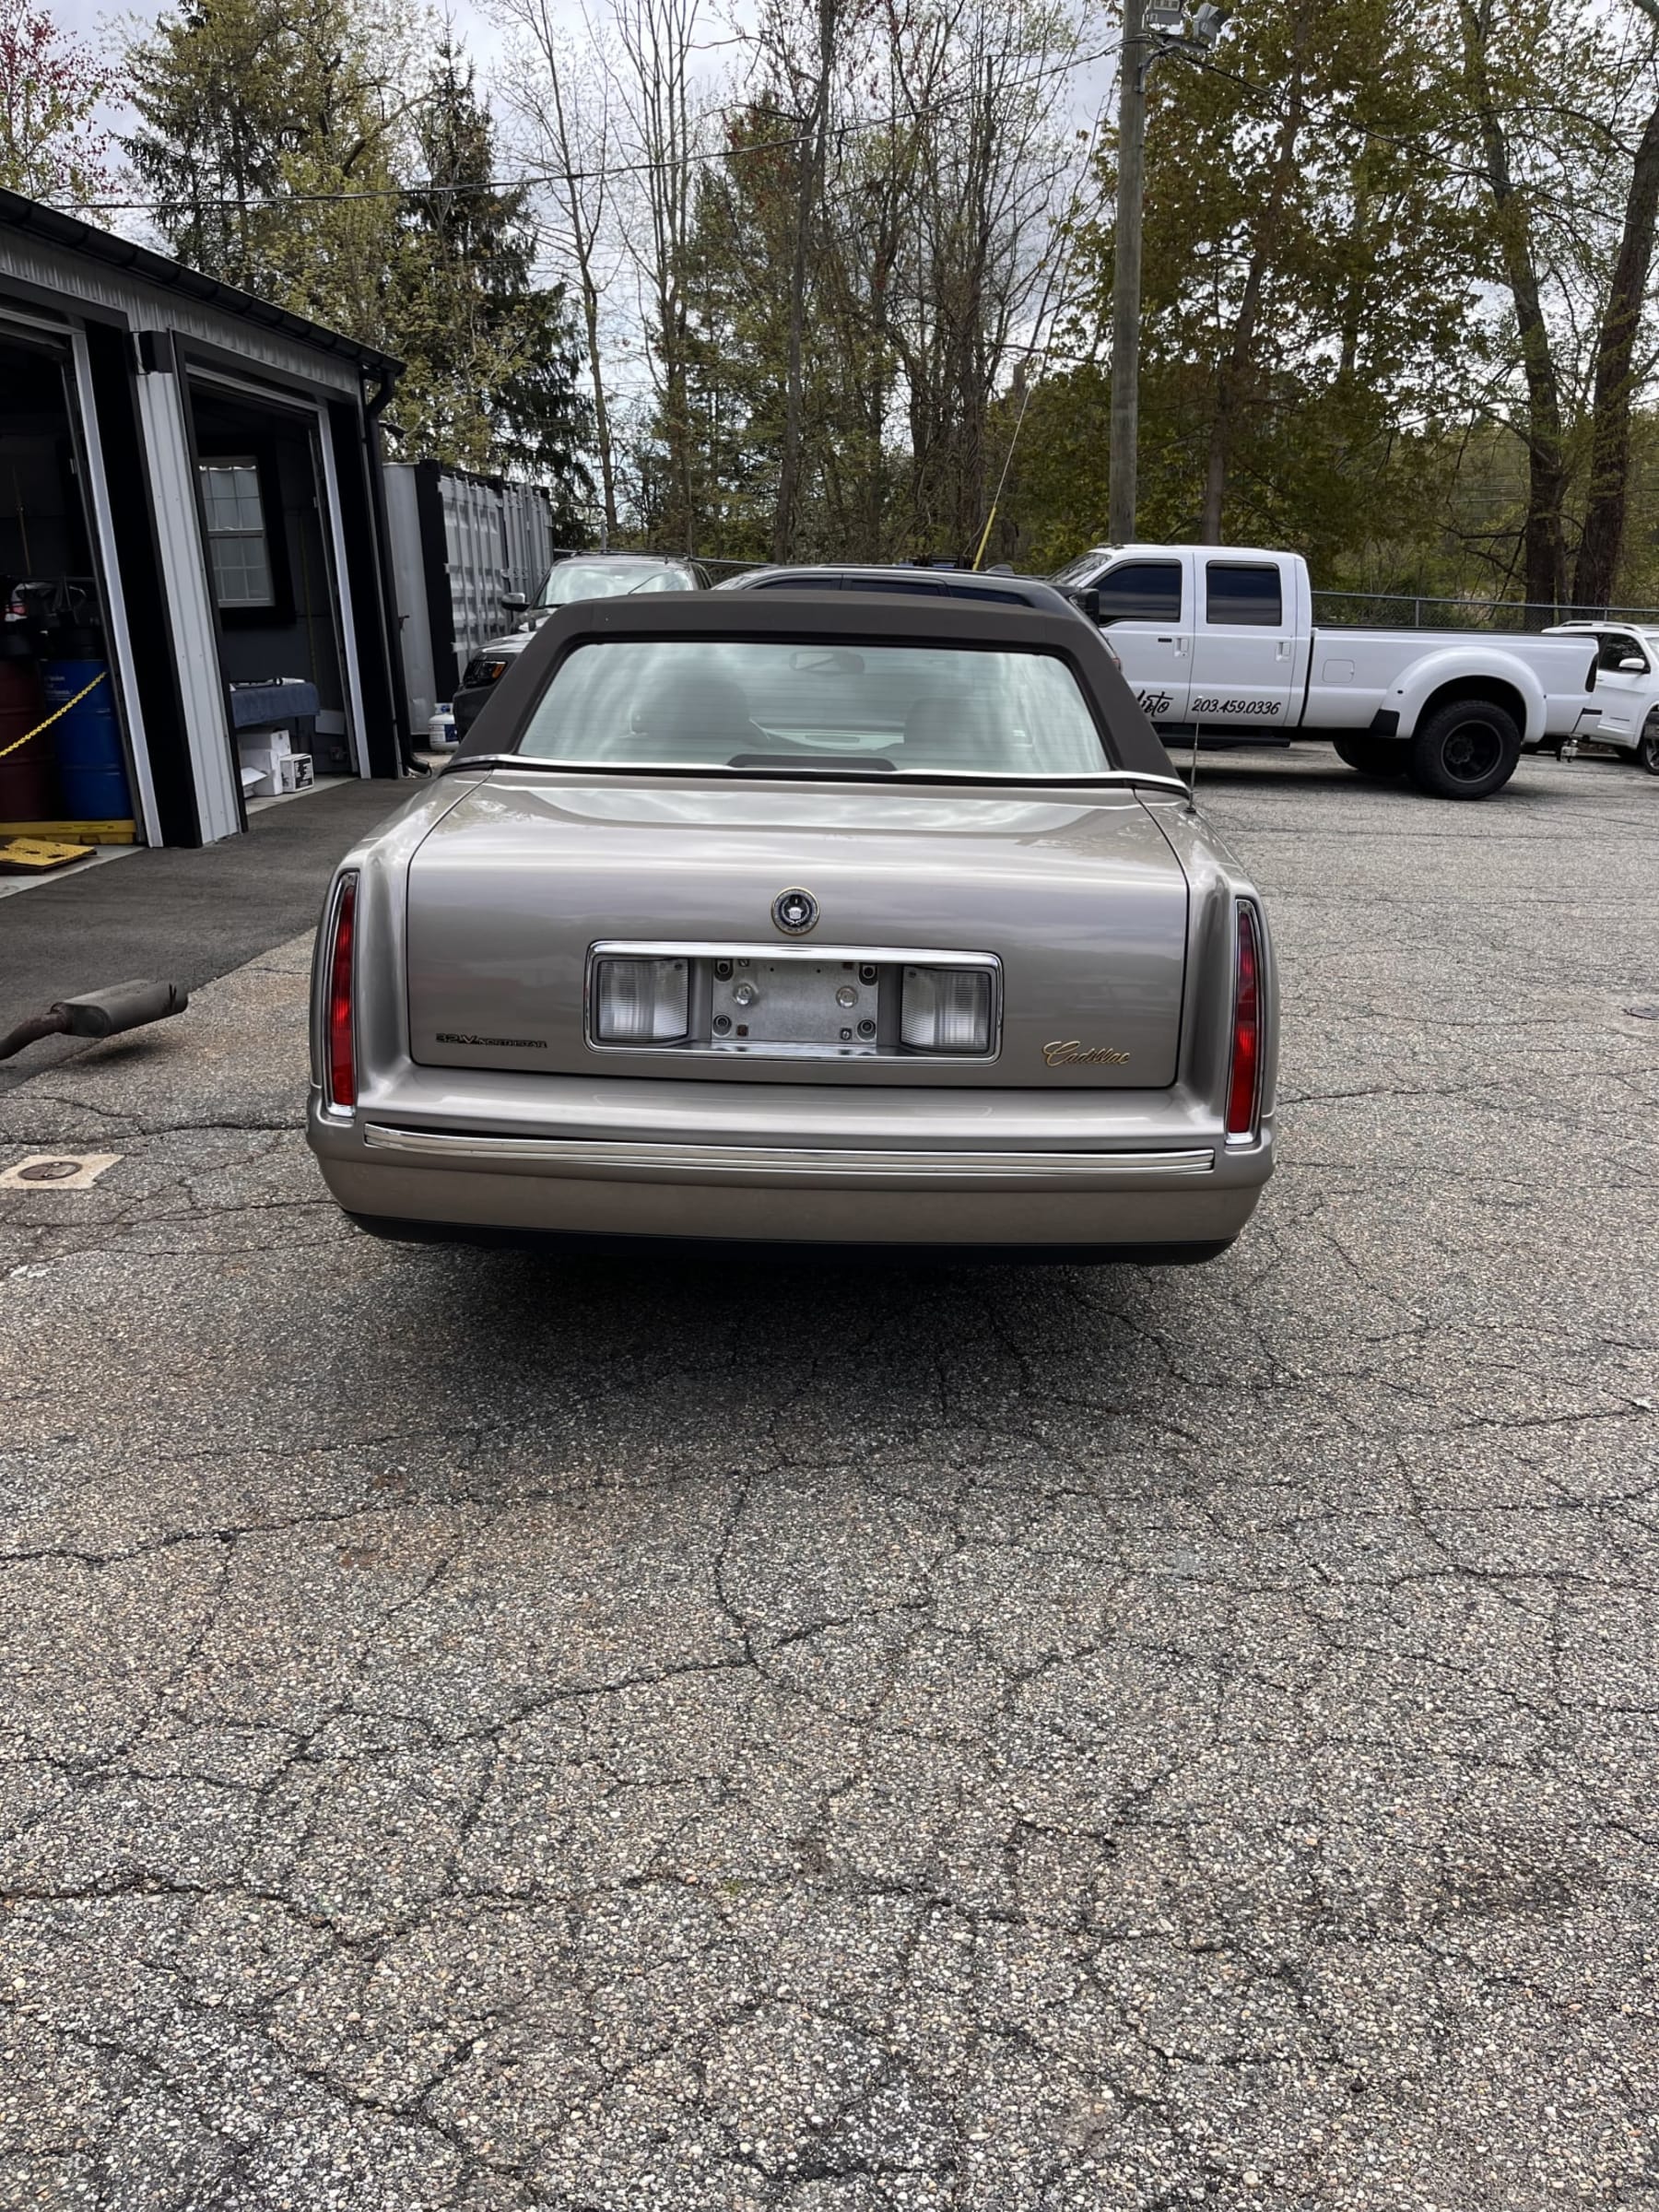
(939, 1195)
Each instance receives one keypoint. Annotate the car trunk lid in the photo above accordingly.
(1075, 894)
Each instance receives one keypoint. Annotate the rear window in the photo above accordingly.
(1142, 590)
(695, 703)
(574, 580)
(1237, 591)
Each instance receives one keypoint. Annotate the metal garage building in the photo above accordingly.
(193, 542)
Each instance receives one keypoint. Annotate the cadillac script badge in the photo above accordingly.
(1069, 1052)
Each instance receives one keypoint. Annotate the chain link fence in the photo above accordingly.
(1394, 610)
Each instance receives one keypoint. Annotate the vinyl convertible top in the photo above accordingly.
(850, 619)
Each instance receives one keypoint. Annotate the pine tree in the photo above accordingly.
(492, 358)
(270, 139)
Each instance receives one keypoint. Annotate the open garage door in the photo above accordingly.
(270, 538)
(66, 772)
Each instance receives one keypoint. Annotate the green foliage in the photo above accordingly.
(270, 137)
(912, 253)
(52, 146)
(491, 359)
(1307, 247)
(295, 148)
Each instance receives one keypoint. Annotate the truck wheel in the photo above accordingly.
(1647, 746)
(1381, 757)
(1466, 749)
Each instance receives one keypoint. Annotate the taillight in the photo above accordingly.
(945, 1010)
(641, 1002)
(1244, 1082)
(342, 1043)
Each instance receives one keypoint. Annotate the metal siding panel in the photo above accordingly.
(497, 539)
(196, 638)
(415, 628)
(150, 306)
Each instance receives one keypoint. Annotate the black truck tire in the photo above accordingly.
(1647, 746)
(1380, 757)
(1467, 749)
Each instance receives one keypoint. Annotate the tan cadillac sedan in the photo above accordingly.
(827, 920)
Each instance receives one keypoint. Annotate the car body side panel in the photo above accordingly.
(1401, 671)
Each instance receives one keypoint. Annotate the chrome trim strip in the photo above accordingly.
(788, 948)
(1121, 779)
(748, 1163)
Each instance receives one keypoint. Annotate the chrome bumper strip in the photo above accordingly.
(760, 1163)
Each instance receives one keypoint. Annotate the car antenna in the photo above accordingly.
(1193, 770)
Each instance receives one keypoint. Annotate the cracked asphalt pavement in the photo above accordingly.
(493, 1733)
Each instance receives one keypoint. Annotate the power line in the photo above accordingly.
(894, 119)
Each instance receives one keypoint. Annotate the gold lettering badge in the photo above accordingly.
(1066, 1052)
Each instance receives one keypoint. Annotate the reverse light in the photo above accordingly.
(342, 1039)
(641, 1002)
(1244, 1080)
(945, 1010)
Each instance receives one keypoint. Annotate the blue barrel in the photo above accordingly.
(91, 764)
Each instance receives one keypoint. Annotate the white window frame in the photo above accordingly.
(222, 533)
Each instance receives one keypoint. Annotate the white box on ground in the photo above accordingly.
(296, 772)
(261, 754)
(277, 741)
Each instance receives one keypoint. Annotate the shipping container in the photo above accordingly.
(460, 543)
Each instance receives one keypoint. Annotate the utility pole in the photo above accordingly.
(1151, 28)
(1126, 272)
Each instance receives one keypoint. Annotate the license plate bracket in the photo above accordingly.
(795, 1005)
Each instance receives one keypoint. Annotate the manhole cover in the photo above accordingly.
(1643, 1013)
(58, 1170)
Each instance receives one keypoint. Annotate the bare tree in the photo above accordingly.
(1617, 375)
(653, 70)
(1544, 552)
(976, 79)
(1232, 368)
(558, 90)
(806, 66)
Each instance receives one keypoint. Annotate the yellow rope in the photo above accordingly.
(57, 716)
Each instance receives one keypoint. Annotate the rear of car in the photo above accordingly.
(793, 922)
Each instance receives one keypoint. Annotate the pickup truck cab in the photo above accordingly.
(1219, 644)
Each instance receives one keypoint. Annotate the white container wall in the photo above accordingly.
(459, 544)
(526, 537)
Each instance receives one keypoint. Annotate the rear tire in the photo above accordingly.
(1467, 749)
(1647, 747)
(1382, 759)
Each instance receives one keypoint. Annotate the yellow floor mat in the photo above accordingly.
(37, 855)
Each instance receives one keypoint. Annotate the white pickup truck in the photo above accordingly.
(1219, 643)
